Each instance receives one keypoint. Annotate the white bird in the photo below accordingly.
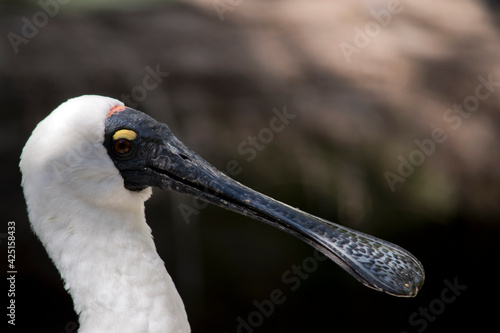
(87, 170)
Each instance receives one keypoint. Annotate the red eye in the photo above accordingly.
(122, 146)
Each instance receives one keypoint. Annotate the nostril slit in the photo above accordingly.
(184, 157)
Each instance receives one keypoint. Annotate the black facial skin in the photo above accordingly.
(136, 166)
(157, 158)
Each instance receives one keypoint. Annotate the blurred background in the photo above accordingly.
(395, 132)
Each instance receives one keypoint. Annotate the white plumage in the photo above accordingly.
(93, 228)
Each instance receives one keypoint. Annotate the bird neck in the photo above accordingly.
(110, 266)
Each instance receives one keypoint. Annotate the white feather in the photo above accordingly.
(93, 228)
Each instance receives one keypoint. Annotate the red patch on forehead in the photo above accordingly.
(115, 109)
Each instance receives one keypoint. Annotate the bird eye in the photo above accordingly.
(122, 146)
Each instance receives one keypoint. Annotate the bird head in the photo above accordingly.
(65, 157)
(97, 151)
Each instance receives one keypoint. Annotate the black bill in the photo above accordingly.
(148, 154)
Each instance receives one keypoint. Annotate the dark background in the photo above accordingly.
(354, 118)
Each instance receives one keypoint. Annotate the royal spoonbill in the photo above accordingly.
(87, 170)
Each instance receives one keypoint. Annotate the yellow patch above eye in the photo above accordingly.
(124, 134)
